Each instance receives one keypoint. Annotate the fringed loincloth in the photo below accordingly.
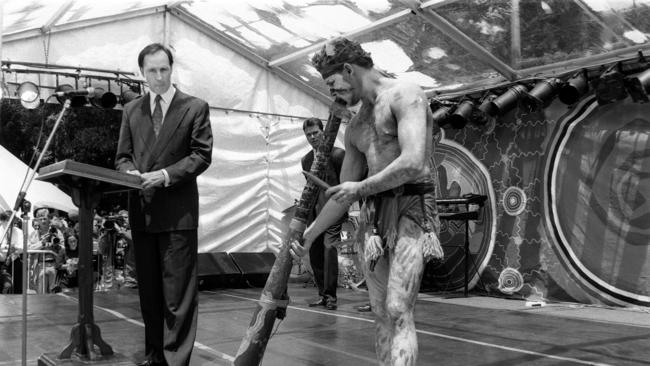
(380, 214)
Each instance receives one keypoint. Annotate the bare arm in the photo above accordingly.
(409, 106)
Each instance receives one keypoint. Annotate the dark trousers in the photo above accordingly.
(324, 261)
(167, 284)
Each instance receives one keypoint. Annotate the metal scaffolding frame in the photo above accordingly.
(426, 10)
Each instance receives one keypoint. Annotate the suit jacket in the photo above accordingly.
(331, 176)
(183, 148)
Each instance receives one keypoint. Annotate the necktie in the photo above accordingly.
(157, 116)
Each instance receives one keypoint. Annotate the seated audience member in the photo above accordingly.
(124, 232)
(48, 266)
(73, 224)
(6, 283)
(97, 232)
(70, 266)
(10, 262)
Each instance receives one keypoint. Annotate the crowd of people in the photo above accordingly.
(53, 252)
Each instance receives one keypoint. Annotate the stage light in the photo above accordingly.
(29, 95)
(76, 101)
(441, 116)
(130, 94)
(639, 86)
(610, 86)
(103, 99)
(508, 100)
(574, 88)
(487, 107)
(462, 114)
(543, 93)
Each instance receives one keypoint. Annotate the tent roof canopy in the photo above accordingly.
(443, 45)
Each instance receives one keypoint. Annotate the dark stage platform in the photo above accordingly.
(452, 331)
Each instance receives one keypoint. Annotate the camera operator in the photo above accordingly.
(48, 238)
(70, 267)
(46, 228)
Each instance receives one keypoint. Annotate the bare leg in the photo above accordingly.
(393, 293)
(377, 281)
(406, 268)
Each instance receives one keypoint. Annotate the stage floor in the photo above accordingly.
(452, 331)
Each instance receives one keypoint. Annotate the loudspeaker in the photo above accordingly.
(254, 267)
(217, 270)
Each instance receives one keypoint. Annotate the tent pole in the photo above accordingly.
(25, 280)
(166, 22)
(515, 31)
(463, 40)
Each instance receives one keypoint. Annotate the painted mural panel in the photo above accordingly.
(600, 198)
(568, 210)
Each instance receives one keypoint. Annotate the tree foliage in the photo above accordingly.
(87, 135)
(550, 31)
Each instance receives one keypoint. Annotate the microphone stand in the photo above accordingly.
(17, 206)
(25, 268)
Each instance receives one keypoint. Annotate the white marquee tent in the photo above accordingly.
(40, 194)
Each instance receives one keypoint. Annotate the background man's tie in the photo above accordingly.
(157, 116)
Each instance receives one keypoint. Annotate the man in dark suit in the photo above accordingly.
(323, 256)
(166, 139)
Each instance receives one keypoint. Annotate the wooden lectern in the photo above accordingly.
(86, 184)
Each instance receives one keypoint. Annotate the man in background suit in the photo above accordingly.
(166, 139)
(323, 256)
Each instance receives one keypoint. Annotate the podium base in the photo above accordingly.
(51, 359)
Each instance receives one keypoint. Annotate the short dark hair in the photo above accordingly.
(4, 216)
(339, 51)
(313, 121)
(153, 48)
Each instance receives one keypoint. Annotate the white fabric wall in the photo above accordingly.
(255, 172)
(254, 176)
(225, 79)
(113, 46)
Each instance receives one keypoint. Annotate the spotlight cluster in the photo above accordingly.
(609, 84)
(30, 79)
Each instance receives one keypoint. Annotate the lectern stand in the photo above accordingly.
(86, 184)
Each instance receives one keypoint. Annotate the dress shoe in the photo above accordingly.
(331, 305)
(319, 302)
(364, 308)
